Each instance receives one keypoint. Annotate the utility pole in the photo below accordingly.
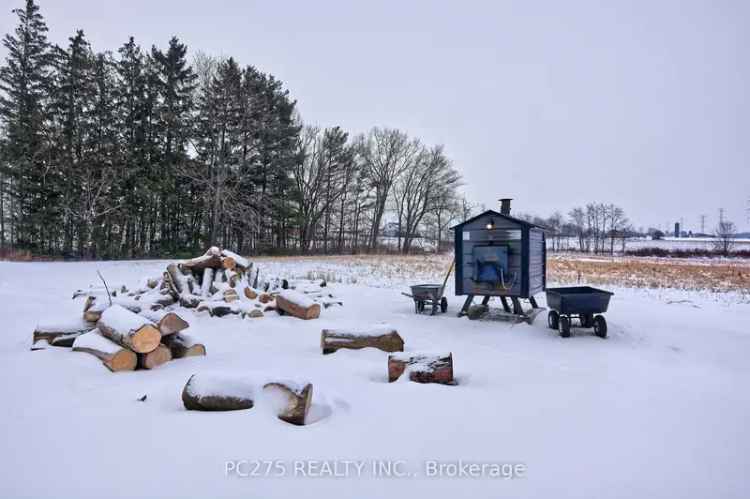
(703, 224)
(721, 216)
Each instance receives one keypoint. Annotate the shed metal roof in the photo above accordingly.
(498, 215)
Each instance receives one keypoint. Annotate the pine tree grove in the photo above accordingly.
(146, 153)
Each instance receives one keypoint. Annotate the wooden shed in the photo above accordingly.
(498, 255)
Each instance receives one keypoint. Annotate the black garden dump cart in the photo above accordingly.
(580, 302)
(428, 295)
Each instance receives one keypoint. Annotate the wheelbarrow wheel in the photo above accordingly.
(600, 326)
(565, 327)
(443, 304)
(553, 320)
(420, 306)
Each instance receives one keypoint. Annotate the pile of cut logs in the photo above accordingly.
(122, 339)
(221, 283)
(139, 328)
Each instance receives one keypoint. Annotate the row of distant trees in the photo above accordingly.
(605, 228)
(150, 152)
(593, 228)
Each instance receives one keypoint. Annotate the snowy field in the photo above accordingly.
(667, 243)
(659, 409)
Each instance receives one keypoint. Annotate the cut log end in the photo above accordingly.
(160, 355)
(422, 368)
(293, 404)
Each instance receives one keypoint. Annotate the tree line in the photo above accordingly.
(593, 228)
(151, 153)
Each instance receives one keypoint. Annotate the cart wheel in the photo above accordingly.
(443, 304)
(553, 320)
(420, 306)
(600, 326)
(587, 320)
(565, 327)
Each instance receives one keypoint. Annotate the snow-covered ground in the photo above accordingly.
(659, 409)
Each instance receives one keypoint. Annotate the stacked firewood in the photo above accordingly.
(122, 339)
(140, 328)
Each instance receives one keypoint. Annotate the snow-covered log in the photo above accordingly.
(93, 308)
(290, 400)
(211, 261)
(207, 281)
(215, 392)
(384, 338)
(167, 322)
(297, 304)
(112, 355)
(422, 368)
(129, 330)
(189, 301)
(182, 345)
(60, 334)
(179, 281)
(156, 357)
(218, 308)
(240, 262)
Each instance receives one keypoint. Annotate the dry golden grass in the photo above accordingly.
(711, 275)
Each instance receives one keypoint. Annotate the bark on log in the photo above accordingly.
(180, 282)
(240, 263)
(255, 313)
(189, 301)
(230, 295)
(182, 345)
(265, 298)
(129, 330)
(384, 338)
(61, 334)
(167, 322)
(297, 305)
(292, 403)
(200, 263)
(93, 308)
(160, 355)
(112, 355)
(217, 308)
(421, 368)
(205, 392)
(250, 294)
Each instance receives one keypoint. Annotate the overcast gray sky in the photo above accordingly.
(556, 103)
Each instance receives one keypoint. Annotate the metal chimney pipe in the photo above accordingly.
(505, 206)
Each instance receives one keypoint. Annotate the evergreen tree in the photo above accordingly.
(25, 84)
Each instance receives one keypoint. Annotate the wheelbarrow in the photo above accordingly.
(430, 296)
(581, 302)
